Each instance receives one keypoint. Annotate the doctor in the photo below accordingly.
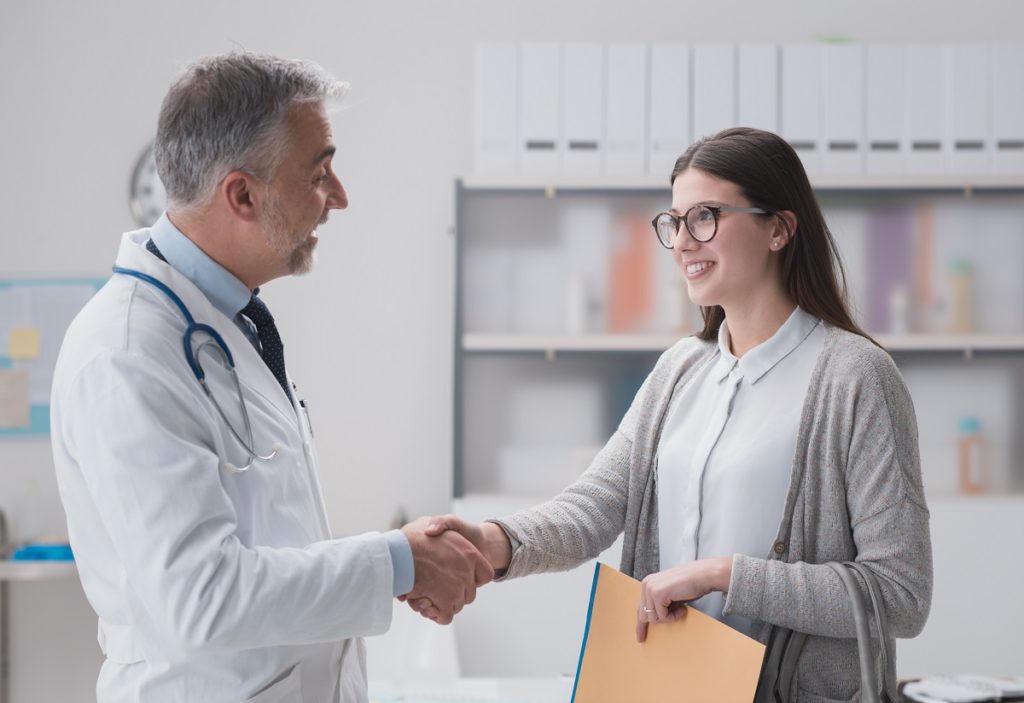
(192, 497)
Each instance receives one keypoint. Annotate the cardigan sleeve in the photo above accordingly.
(587, 517)
(577, 524)
(866, 444)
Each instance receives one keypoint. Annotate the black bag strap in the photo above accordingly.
(881, 625)
(873, 686)
(781, 654)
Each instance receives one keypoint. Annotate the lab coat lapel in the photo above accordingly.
(253, 373)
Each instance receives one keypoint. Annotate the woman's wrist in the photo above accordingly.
(498, 549)
(721, 574)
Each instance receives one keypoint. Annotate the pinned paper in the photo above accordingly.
(14, 408)
(695, 658)
(24, 343)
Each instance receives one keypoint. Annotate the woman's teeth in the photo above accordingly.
(698, 266)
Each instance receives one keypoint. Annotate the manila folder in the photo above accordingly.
(693, 660)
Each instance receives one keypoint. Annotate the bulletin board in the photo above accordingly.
(34, 315)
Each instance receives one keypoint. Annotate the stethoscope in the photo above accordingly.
(217, 343)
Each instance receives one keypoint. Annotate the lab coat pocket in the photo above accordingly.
(283, 690)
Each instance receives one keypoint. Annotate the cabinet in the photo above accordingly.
(564, 300)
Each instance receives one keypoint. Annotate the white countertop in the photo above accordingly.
(474, 690)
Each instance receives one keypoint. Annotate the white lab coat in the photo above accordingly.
(209, 585)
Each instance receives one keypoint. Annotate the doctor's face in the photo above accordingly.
(304, 190)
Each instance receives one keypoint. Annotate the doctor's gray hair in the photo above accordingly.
(228, 113)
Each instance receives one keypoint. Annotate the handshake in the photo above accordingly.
(452, 558)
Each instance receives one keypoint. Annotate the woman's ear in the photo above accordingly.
(784, 230)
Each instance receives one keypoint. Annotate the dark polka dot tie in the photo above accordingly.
(271, 348)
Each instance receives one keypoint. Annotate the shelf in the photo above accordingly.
(952, 342)
(568, 342)
(556, 343)
(37, 570)
(951, 183)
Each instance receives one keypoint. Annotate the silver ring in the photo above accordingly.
(648, 610)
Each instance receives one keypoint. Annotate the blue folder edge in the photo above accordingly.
(586, 630)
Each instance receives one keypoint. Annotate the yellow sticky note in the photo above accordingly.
(24, 343)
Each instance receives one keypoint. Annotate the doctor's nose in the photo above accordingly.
(337, 199)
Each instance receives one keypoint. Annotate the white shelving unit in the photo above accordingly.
(896, 183)
(554, 343)
(503, 364)
(21, 571)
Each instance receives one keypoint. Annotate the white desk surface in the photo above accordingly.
(474, 690)
(37, 570)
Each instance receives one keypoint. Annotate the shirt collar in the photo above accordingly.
(227, 293)
(763, 358)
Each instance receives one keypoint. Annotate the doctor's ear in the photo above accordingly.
(240, 192)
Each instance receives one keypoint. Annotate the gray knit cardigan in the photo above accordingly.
(855, 493)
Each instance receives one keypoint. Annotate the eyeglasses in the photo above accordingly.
(701, 222)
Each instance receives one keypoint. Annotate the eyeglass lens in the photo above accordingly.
(700, 222)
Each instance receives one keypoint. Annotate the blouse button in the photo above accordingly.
(779, 547)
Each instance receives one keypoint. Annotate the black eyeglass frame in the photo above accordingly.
(716, 211)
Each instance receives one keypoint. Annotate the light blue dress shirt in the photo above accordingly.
(726, 453)
(229, 295)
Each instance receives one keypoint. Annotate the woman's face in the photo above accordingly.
(737, 263)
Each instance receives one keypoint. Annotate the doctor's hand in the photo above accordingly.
(663, 595)
(487, 537)
(448, 570)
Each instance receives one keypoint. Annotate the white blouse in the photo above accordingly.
(726, 451)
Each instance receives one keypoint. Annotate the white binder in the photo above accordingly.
(668, 107)
(926, 105)
(970, 101)
(539, 114)
(583, 109)
(800, 118)
(625, 107)
(843, 109)
(714, 88)
(757, 86)
(1008, 108)
(496, 109)
(885, 85)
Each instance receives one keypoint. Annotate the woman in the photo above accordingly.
(777, 439)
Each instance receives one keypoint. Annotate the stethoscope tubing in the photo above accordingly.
(216, 342)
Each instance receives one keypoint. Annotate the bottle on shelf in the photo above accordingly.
(576, 308)
(970, 455)
(961, 283)
(899, 310)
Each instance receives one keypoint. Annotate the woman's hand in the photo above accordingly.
(489, 539)
(663, 595)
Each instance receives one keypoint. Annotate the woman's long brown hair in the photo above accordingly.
(770, 175)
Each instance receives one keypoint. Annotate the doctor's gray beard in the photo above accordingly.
(294, 248)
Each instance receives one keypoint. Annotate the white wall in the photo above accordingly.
(80, 86)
